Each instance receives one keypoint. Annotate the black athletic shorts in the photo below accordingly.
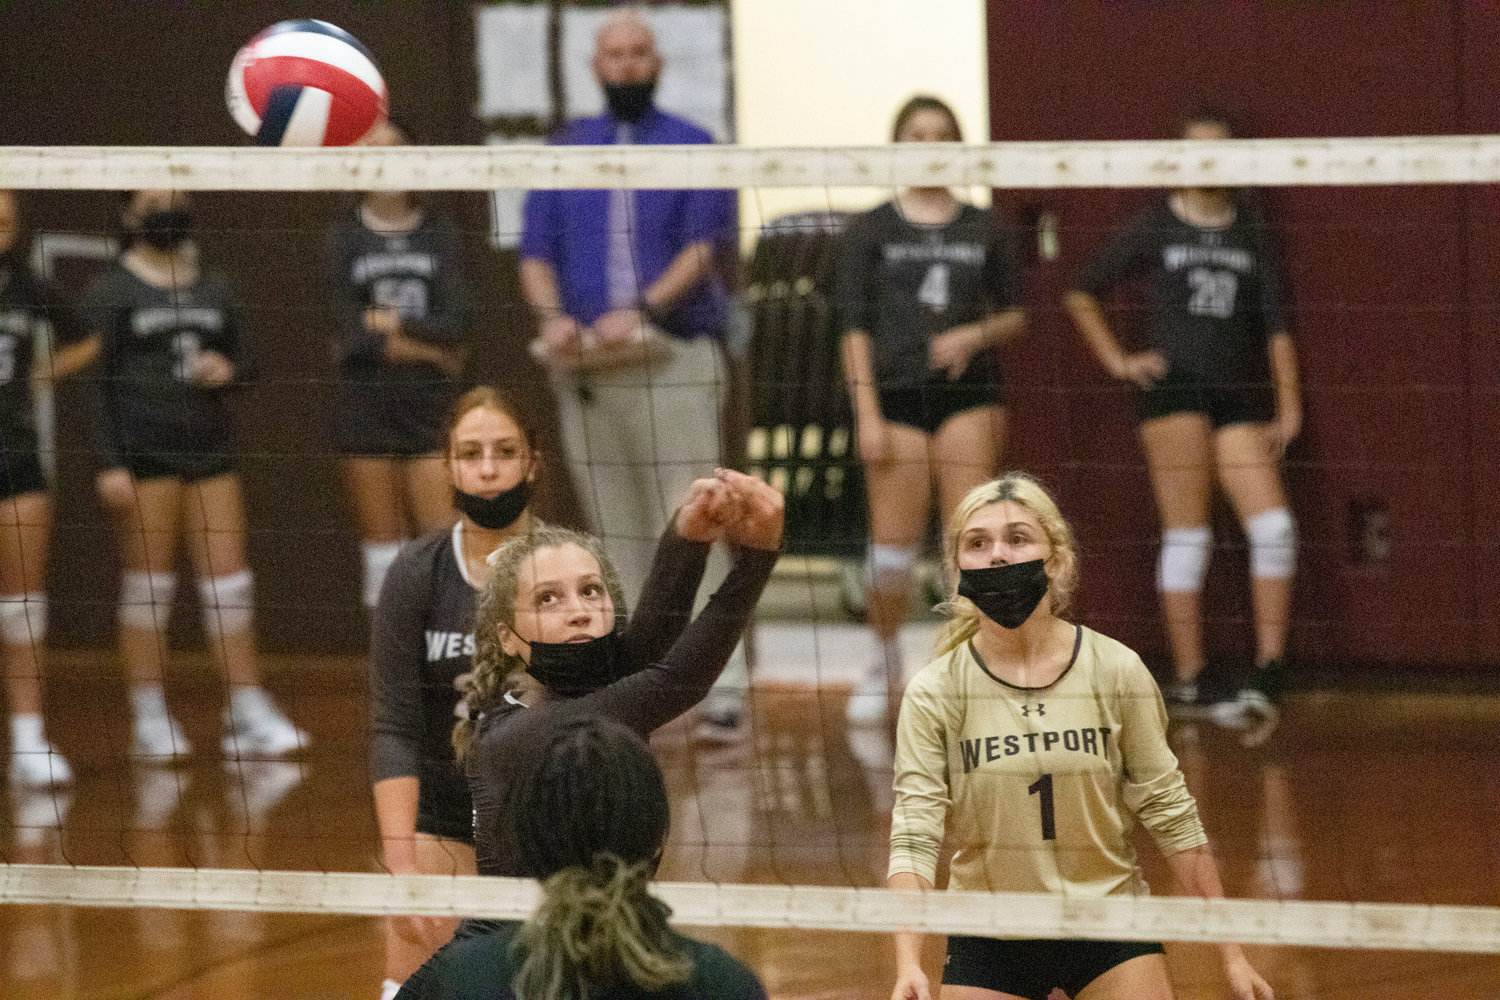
(1224, 403)
(443, 805)
(1033, 968)
(926, 407)
(188, 466)
(392, 419)
(20, 469)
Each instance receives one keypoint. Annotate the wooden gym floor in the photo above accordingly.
(1382, 798)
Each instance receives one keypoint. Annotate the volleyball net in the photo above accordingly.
(803, 799)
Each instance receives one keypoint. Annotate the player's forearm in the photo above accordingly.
(1002, 327)
(859, 374)
(1089, 318)
(1197, 874)
(396, 816)
(539, 286)
(908, 943)
(1284, 373)
(70, 359)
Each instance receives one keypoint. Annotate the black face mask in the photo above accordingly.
(1006, 594)
(166, 230)
(501, 512)
(576, 668)
(629, 102)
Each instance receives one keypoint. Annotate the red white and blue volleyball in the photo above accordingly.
(305, 83)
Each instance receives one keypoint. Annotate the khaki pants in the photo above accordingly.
(633, 440)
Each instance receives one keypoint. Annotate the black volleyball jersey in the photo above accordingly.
(422, 640)
(416, 273)
(904, 283)
(150, 342)
(1215, 294)
(24, 299)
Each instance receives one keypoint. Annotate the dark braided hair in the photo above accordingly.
(589, 818)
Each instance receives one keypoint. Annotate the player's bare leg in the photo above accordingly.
(900, 495)
(1179, 457)
(24, 524)
(428, 492)
(214, 516)
(148, 586)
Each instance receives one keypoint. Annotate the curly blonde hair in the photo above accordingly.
(1062, 563)
(494, 670)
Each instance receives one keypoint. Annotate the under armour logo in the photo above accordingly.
(1027, 709)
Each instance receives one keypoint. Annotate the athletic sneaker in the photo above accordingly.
(1271, 681)
(1179, 693)
(255, 727)
(1256, 710)
(719, 726)
(869, 702)
(158, 738)
(38, 767)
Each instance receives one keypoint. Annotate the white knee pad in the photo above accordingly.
(23, 619)
(1184, 560)
(1273, 544)
(378, 557)
(890, 565)
(146, 598)
(226, 604)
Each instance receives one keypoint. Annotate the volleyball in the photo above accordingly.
(305, 83)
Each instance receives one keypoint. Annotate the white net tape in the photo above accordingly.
(1230, 163)
(1303, 924)
(1225, 163)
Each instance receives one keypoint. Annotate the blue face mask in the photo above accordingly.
(1007, 595)
(572, 669)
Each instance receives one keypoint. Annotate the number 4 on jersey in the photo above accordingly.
(934, 290)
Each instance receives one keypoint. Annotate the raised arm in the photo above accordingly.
(663, 690)
(665, 604)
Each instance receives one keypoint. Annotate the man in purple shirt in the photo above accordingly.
(630, 314)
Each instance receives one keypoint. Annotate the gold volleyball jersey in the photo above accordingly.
(1043, 785)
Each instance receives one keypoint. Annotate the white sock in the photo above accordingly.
(149, 702)
(389, 989)
(26, 733)
(377, 557)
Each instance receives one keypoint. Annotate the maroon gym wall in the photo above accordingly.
(1394, 312)
(153, 74)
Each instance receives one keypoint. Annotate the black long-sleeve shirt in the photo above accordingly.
(668, 684)
(423, 639)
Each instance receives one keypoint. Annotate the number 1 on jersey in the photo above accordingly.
(1043, 787)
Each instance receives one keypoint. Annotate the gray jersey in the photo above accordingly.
(421, 641)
